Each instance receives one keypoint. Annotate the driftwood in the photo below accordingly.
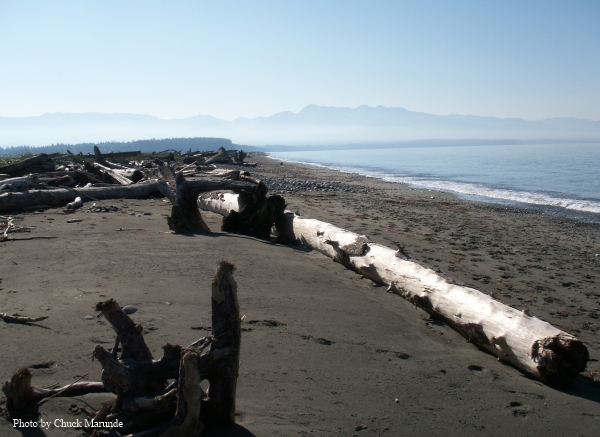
(183, 194)
(226, 329)
(256, 216)
(118, 176)
(146, 404)
(20, 319)
(515, 337)
(222, 157)
(20, 394)
(77, 203)
(62, 196)
(99, 158)
(21, 183)
(253, 214)
(36, 164)
(61, 181)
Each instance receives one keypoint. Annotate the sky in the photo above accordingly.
(229, 59)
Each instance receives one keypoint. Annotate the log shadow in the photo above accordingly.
(234, 430)
(32, 432)
(583, 388)
(216, 234)
(27, 324)
(29, 414)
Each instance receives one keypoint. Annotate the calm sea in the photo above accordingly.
(560, 178)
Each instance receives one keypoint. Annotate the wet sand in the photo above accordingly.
(323, 351)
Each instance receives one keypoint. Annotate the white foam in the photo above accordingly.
(464, 188)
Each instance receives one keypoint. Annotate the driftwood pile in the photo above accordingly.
(146, 403)
(41, 181)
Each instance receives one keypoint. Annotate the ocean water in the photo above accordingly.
(559, 178)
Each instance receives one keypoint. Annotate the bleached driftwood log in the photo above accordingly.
(220, 203)
(62, 196)
(183, 194)
(119, 176)
(528, 343)
(77, 203)
(246, 214)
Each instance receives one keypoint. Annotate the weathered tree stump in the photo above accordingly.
(145, 403)
(226, 329)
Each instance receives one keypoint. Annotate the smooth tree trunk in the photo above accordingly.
(61, 196)
(516, 337)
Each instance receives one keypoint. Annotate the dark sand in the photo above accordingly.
(323, 351)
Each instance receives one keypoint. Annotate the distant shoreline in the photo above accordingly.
(558, 211)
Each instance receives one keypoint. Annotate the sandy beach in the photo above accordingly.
(323, 352)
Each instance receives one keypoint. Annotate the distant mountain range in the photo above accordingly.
(313, 125)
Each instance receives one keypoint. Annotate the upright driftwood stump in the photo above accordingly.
(226, 329)
(146, 404)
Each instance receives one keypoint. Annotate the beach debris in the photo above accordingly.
(77, 203)
(221, 157)
(515, 337)
(16, 318)
(39, 237)
(62, 196)
(255, 217)
(38, 181)
(36, 164)
(154, 397)
(20, 394)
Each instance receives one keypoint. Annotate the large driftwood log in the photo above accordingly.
(183, 194)
(246, 214)
(62, 196)
(516, 337)
(119, 176)
(36, 164)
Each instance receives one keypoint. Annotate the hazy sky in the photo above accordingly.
(529, 59)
